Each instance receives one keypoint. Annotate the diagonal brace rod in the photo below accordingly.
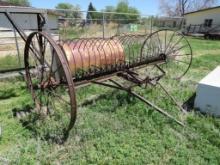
(156, 107)
(172, 98)
(120, 87)
(148, 103)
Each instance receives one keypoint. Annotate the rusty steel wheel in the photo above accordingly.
(173, 47)
(50, 82)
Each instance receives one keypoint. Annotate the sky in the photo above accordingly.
(146, 7)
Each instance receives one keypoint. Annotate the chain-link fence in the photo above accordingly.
(108, 24)
(69, 24)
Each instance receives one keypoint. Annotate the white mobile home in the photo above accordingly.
(170, 22)
(27, 20)
(207, 17)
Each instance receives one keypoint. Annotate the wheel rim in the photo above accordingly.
(175, 49)
(51, 85)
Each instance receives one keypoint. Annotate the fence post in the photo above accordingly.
(145, 27)
(151, 25)
(189, 28)
(17, 47)
(103, 25)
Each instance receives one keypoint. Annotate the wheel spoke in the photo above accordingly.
(181, 61)
(168, 45)
(176, 44)
(59, 97)
(165, 40)
(175, 50)
(179, 55)
(160, 46)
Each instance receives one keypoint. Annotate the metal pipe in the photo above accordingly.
(103, 25)
(16, 26)
(17, 47)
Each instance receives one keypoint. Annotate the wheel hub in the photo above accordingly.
(163, 56)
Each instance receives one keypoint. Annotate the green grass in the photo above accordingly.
(200, 44)
(118, 129)
(9, 62)
(70, 33)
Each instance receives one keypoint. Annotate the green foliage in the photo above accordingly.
(19, 2)
(10, 62)
(92, 15)
(64, 6)
(123, 7)
(70, 11)
(70, 33)
(109, 16)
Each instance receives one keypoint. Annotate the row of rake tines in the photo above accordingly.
(132, 48)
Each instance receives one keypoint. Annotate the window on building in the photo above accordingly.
(208, 22)
(174, 24)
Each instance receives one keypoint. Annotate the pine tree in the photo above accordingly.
(90, 14)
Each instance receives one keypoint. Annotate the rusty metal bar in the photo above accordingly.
(16, 26)
(141, 98)
(172, 98)
(156, 108)
(147, 102)
(17, 46)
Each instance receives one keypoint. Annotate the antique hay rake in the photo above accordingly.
(55, 69)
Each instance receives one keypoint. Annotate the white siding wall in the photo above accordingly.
(4, 23)
(27, 21)
(52, 22)
(199, 17)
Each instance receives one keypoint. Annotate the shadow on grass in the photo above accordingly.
(22, 112)
(7, 94)
(125, 99)
(122, 98)
(189, 104)
(32, 121)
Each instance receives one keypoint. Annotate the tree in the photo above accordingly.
(64, 6)
(180, 7)
(135, 15)
(70, 11)
(93, 15)
(110, 13)
(19, 2)
(123, 7)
